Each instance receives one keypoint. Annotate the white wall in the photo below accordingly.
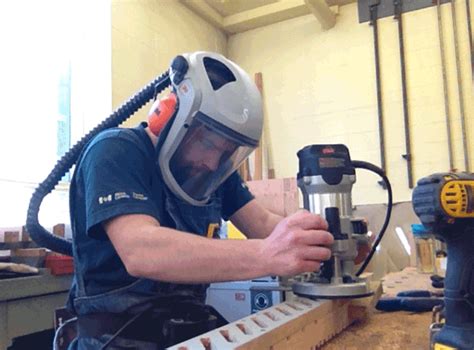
(146, 35)
(319, 87)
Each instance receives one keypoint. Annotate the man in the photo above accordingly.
(144, 203)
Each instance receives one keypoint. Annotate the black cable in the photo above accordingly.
(121, 329)
(381, 173)
(37, 232)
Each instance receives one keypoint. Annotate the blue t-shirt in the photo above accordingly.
(117, 176)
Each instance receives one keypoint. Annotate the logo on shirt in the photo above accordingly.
(105, 199)
(121, 195)
(139, 196)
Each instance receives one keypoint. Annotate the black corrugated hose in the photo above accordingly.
(37, 232)
(371, 167)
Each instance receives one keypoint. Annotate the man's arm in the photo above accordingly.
(254, 220)
(152, 251)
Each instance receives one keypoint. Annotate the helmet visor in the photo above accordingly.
(207, 155)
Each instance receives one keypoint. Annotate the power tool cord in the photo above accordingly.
(371, 167)
(37, 232)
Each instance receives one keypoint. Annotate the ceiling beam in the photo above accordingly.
(322, 12)
(205, 11)
(264, 15)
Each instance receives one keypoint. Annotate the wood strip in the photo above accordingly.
(25, 236)
(244, 171)
(298, 324)
(258, 159)
(11, 236)
(59, 230)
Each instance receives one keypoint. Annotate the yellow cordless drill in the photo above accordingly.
(444, 202)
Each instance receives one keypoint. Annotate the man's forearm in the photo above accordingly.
(297, 244)
(255, 221)
(272, 221)
(168, 255)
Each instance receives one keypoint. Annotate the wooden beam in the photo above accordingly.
(322, 12)
(264, 15)
(205, 11)
(297, 324)
(258, 159)
(244, 170)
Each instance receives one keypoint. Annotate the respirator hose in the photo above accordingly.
(381, 173)
(37, 232)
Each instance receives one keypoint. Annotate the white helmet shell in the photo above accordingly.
(217, 125)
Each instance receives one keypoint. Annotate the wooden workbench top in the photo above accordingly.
(390, 330)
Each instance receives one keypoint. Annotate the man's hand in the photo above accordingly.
(297, 244)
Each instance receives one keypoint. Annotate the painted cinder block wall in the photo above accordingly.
(319, 85)
(146, 35)
(320, 88)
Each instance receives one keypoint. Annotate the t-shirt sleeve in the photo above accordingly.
(117, 181)
(235, 195)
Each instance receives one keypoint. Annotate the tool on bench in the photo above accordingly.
(411, 300)
(444, 202)
(325, 178)
(437, 281)
(437, 323)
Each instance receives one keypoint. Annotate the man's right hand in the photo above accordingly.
(297, 244)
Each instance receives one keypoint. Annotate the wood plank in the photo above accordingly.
(244, 171)
(16, 245)
(258, 159)
(29, 252)
(298, 324)
(59, 230)
(265, 143)
(390, 330)
(408, 279)
(11, 236)
(280, 196)
(25, 236)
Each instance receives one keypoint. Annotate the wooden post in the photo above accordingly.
(59, 230)
(264, 147)
(258, 152)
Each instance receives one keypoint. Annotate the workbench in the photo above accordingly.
(303, 323)
(27, 304)
(390, 330)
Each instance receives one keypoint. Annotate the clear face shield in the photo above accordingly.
(206, 156)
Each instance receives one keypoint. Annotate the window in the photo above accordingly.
(55, 84)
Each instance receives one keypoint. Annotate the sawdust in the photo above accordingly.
(395, 330)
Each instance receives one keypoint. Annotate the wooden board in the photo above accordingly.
(258, 160)
(298, 324)
(11, 236)
(408, 279)
(399, 330)
(25, 236)
(280, 196)
(59, 230)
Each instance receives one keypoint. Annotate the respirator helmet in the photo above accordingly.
(216, 124)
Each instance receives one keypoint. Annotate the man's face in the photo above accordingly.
(201, 154)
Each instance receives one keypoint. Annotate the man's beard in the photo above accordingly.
(194, 182)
